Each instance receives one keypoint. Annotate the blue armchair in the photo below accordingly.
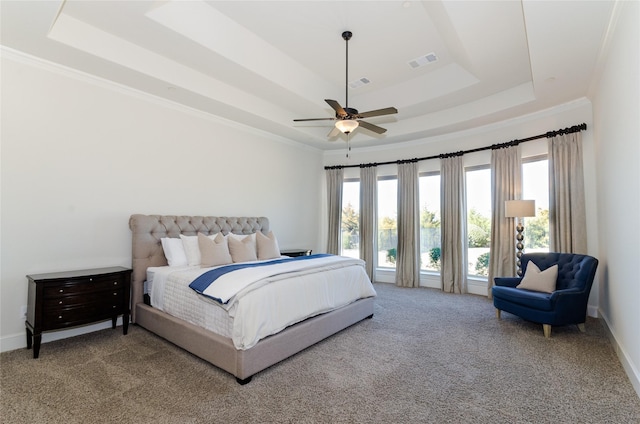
(567, 305)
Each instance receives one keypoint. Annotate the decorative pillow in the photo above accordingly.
(267, 246)
(214, 251)
(242, 248)
(541, 281)
(174, 251)
(191, 249)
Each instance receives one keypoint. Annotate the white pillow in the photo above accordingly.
(541, 281)
(267, 246)
(242, 248)
(191, 249)
(174, 251)
(214, 251)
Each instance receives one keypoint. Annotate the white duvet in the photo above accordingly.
(267, 306)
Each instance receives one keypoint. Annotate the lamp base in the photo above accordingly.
(519, 247)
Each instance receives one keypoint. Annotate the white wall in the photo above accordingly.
(562, 116)
(617, 135)
(80, 155)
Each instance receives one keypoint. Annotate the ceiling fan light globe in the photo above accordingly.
(347, 125)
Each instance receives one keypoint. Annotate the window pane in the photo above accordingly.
(350, 236)
(387, 222)
(535, 186)
(430, 223)
(478, 221)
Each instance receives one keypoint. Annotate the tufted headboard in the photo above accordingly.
(149, 229)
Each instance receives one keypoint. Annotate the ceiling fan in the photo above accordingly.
(347, 118)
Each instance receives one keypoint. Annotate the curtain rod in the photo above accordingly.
(549, 134)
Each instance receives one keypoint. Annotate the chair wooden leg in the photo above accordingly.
(497, 313)
(581, 327)
(546, 328)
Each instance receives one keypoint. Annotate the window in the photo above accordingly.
(478, 181)
(387, 222)
(430, 222)
(535, 186)
(350, 236)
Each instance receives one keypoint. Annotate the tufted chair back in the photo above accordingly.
(574, 271)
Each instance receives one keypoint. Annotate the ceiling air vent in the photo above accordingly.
(359, 82)
(423, 60)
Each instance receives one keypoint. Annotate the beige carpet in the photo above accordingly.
(425, 357)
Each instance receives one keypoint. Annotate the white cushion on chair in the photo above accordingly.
(541, 281)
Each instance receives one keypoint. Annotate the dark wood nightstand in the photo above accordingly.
(296, 252)
(66, 299)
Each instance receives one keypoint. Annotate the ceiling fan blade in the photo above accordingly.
(314, 119)
(333, 133)
(378, 112)
(336, 106)
(371, 127)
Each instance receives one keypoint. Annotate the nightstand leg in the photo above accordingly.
(125, 324)
(29, 338)
(113, 322)
(37, 338)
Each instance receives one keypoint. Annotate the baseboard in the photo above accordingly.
(19, 341)
(478, 287)
(432, 280)
(628, 366)
(592, 311)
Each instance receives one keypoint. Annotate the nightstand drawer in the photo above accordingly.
(56, 303)
(54, 319)
(73, 287)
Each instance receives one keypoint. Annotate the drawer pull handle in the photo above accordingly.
(115, 283)
(90, 279)
(60, 303)
(115, 293)
(61, 291)
(59, 316)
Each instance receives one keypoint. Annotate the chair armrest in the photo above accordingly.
(507, 281)
(570, 306)
(566, 296)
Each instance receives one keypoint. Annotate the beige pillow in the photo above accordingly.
(267, 246)
(541, 281)
(213, 252)
(242, 248)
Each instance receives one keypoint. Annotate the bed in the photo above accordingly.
(217, 348)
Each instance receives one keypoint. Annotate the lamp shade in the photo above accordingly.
(347, 125)
(519, 208)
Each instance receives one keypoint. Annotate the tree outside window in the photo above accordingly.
(350, 234)
(535, 186)
(478, 183)
(387, 222)
(430, 222)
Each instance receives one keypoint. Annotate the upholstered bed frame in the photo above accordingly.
(218, 350)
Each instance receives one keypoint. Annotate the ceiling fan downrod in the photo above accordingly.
(346, 36)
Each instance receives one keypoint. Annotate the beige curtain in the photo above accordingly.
(506, 184)
(453, 226)
(408, 251)
(334, 205)
(368, 217)
(567, 214)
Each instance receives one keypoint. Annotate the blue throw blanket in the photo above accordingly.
(205, 280)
